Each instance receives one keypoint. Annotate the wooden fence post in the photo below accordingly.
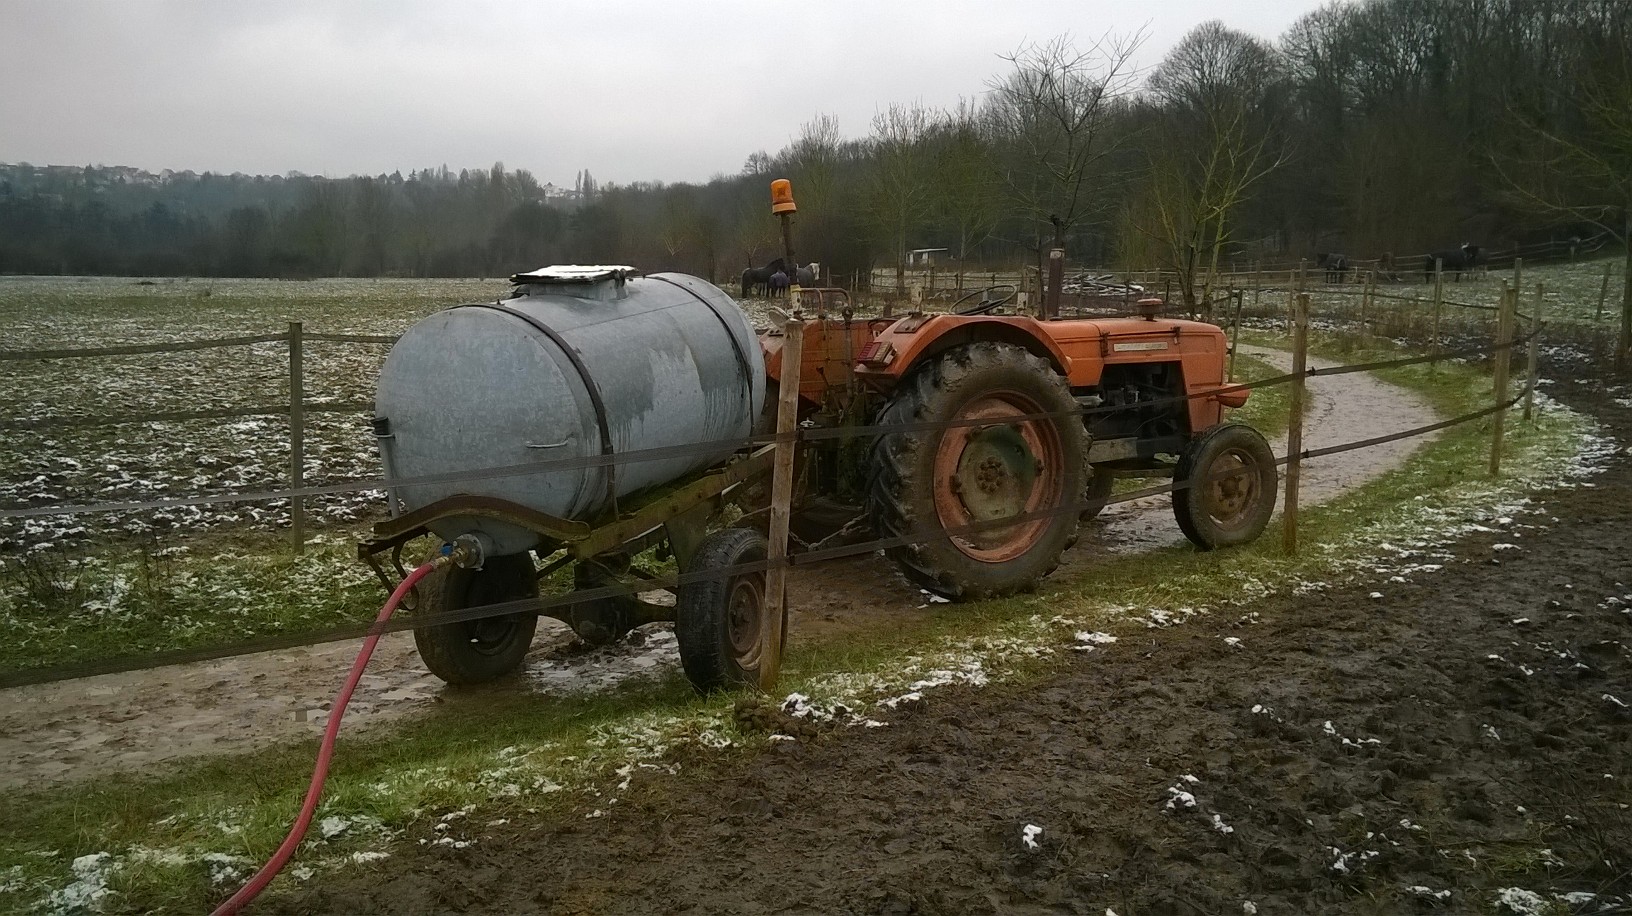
(1235, 331)
(1503, 356)
(771, 637)
(1532, 355)
(1367, 294)
(297, 435)
(1603, 292)
(1257, 285)
(1439, 304)
(1294, 424)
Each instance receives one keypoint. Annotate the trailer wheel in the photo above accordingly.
(999, 467)
(477, 651)
(1098, 496)
(718, 620)
(1233, 493)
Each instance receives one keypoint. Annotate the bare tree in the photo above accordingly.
(1221, 92)
(898, 176)
(967, 195)
(1055, 113)
(1584, 175)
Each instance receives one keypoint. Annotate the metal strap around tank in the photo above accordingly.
(594, 390)
(736, 345)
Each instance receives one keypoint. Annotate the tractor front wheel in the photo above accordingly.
(1225, 487)
(948, 488)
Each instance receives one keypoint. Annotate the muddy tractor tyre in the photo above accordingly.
(1098, 495)
(718, 619)
(1232, 493)
(953, 478)
(477, 651)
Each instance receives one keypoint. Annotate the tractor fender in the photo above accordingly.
(905, 345)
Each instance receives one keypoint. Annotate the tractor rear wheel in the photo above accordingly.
(477, 651)
(994, 465)
(1231, 477)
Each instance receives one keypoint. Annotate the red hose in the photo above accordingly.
(325, 751)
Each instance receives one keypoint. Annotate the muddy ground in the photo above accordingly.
(123, 722)
(1429, 748)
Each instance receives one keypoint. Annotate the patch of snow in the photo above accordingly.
(1029, 835)
(1177, 797)
(87, 890)
(1520, 901)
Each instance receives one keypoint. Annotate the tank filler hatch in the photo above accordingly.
(576, 273)
(593, 282)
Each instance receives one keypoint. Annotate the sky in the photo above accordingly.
(632, 91)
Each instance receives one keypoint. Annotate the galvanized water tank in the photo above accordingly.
(655, 361)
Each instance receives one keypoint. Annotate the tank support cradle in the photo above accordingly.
(679, 515)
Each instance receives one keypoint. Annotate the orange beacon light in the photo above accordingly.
(782, 196)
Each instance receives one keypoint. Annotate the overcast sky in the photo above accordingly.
(667, 91)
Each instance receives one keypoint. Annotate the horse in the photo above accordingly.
(758, 279)
(1453, 262)
(1336, 265)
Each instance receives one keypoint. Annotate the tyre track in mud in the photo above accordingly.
(138, 720)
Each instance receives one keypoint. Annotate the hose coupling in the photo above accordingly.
(468, 551)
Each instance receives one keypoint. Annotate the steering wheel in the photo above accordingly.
(990, 299)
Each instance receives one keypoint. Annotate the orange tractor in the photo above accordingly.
(986, 416)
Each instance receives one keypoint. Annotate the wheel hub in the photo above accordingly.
(996, 473)
(1002, 469)
(745, 608)
(1231, 489)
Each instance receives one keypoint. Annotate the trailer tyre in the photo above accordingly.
(992, 466)
(718, 620)
(1233, 494)
(477, 651)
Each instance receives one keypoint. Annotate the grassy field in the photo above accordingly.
(176, 842)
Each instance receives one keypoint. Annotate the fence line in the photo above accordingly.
(663, 453)
(7, 356)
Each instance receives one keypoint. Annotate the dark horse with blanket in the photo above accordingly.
(757, 280)
(1454, 261)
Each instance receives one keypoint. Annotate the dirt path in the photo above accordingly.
(1433, 745)
(123, 722)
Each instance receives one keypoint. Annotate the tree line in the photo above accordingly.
(1374, 128)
